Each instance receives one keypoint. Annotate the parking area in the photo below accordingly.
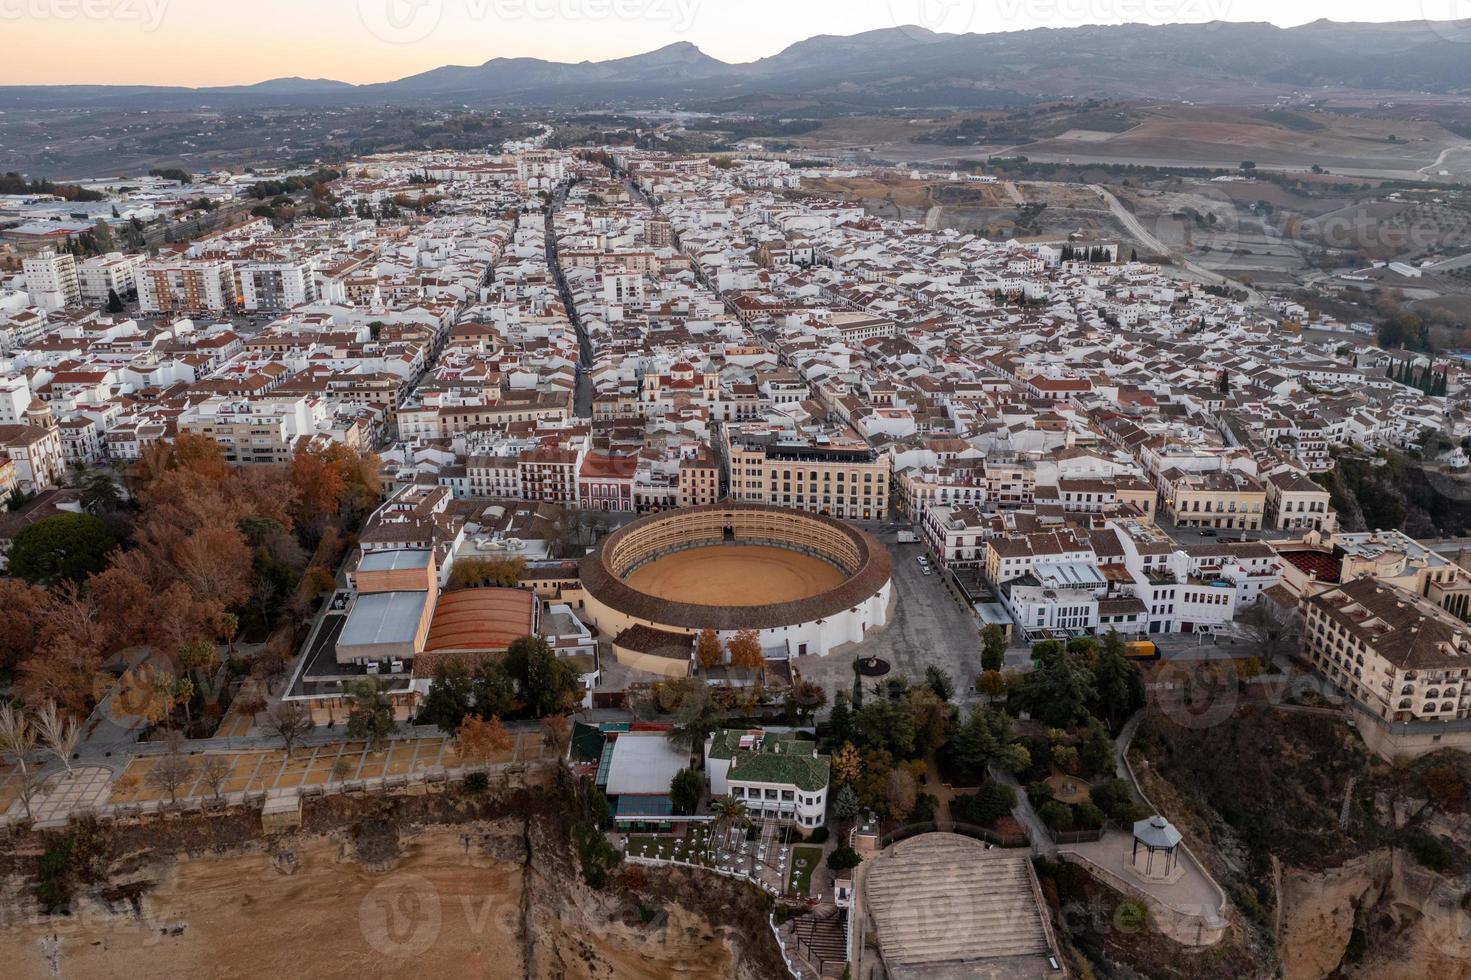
(928, 624)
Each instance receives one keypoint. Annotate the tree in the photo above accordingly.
(939, 682)
(991, 683)
(846, 765)
(899, 794)
(685, 790)
(695, 718)
(371, 714)
(728, 812)
(987, 805)
(1116, 679)
(288, 721)
(59, 733)
(556, 734)
(493, 690)
(845, 804)
(547, 684)
(24, 620)
(840, 720)
(214, 773)
(172, 772)
(61, 547)
(451, 693)
(1057, 816)
(707, 650)
(745, 650)
(114, 302)
(844, 858)
(481, 740)
(1248, 165)
(993, 647)
(478, 573)
(984, 740)
(18, 738)
(1060, 692)
(101, 494)
(1223, 382)
(1270, 638)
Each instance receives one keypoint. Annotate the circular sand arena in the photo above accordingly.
(805, 582)
(735, 575)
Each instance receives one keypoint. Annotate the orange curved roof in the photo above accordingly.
(479, 620)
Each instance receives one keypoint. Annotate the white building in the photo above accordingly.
(776, 775)
(51, 279)
(113, 272)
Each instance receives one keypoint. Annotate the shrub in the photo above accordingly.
(476, 782)
(1057, 816)
(988, 805)
(818, 836)
(1430, 851)
(1089, 816)
(843, 858)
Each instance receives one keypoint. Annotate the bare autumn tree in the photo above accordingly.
(214, 773)
(59, 733)
(480, 740)
(18, 738)
(288, 721)
(172, 772)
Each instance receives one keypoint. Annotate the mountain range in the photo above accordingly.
(900, 67)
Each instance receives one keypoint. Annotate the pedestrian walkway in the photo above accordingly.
(62, 792)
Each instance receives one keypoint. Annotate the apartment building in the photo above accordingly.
(51, 279)
(110, 273)
(843, 478)
(776, 774)
(277, 285)
(186, 286)
(35, 453)
(699, 480)
(252, 431)
(1226, 499)
(1296, 502)
(1402, 660)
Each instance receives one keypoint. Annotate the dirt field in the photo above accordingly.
(739, 575)
(452, 906)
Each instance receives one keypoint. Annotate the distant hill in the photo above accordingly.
(910, 66)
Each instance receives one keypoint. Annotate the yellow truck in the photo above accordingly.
(1141, 650)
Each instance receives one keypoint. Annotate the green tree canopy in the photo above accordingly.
(685, 791)
(60, 548)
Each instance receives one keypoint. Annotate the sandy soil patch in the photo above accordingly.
(736, 575)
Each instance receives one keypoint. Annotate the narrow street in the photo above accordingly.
(582, 400)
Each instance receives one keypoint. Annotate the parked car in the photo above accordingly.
(1207, 532)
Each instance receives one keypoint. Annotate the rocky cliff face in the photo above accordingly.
(1377, 917)
(498, 898)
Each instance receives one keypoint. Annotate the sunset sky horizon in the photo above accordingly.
(212, 42)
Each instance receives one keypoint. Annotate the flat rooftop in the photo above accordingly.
(644, 763)
(383, 617)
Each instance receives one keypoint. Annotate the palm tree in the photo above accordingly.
(18, 738)
(729, 812)
(59, 733)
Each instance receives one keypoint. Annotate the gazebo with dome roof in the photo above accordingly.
(1156, 845)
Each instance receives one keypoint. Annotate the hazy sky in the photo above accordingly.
(214, 42)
